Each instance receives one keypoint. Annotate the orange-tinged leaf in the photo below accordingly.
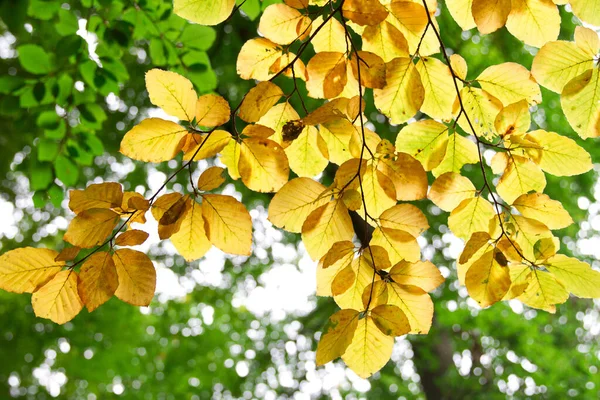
(390, 320)
(450, 189)
(410, 18)
(228, 224)
(97, 280)
(477, 241)
(421, 273)
(325, 226)
(364, 12)
(338, 251)
(172, 92)
(293, 203)
(212, 110)
(211, 178)
(337, 336)
(263, 165)
(170, 221)
(68, 254)
(371, 69)
(407, 174)
(137, 277)
(153, 140)
(259, 100)
(91, 227)
(327, 75)
(325, 276)
(190, 240)
(490, 15)
(24, 269)
(370, 349)
(98, 195)
(203, 12)
(131, 237)
(256, 57)
(58, 300)
(343, 281)
(405, 217)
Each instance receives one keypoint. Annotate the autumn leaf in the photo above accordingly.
(24, 269)
(211, 178)
(91, 227)
(58, 300)
(137, 277)
(97, 280)
(172, 92)
(97, 195)
(337, 336)
(204, 12)
(227, 223)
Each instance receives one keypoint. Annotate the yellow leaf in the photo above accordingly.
(68, 254)
(293, 203)
(326, 276)
(170, 210)
(331, 37)
(256, 130)
(58, 300)
(206, 146)
(137, 277)
(211, 178)
(558, 62)
(390, 320)
(587, 11)
(343, 281)
(527, 233)
(425, 140)
(279, 23)
(450, 189)
(399, 244)
(403, 94)
(561, 156)
(228, 224)
(337, 135)
(440, 92)
(204, 12)
(544, 292)
(471, 215)
(461, 11)
(212, 110)
(521, 176)
(308, 153)
(255, 59)
(422, 274)
(459, 151)
(375, 294)
(535, 22)
(459, 66)
(473, 246)
(405, 217)
(327, 75)
(587, 39)
(91, 227)
(24, 269)
(230, 156)
(259, 100)
(324, 226)
(338, 251)
(482, 109)
(190, 240)
(407, 174)
(510, 82)
(580, 103)
(364, 12)
(98, 195)
(576, 276)
(97, 280)
(490, 15)
(415, 303)
(512, 119)
(370, 349)
(172, 92)
(378, 192)
(364, 276)
(263, 165)
(386, 41)
(541, 207)
(277, 117)
(153, 140)
(487, 280)
(410, 18)
(520, 276)
(337, 336)
(131, 237)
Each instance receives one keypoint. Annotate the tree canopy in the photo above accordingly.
(419, 161)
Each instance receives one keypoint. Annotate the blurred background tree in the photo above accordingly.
(71, 85)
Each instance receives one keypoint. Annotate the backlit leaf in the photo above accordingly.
(97, 280)
(91, 227)
(204, 12)
(137, 277)
(172, 92)
(228, 224)
(263, 165)
(541, 207)
(153, 140)
(338, 335)
(58, 300)
(24, 269)
(190, 239)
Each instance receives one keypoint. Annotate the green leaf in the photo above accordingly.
(34, 59)
(67, 23)
(66, 170)
(47, 150)
(199, 37)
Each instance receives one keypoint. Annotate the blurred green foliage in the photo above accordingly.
(72, 83)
